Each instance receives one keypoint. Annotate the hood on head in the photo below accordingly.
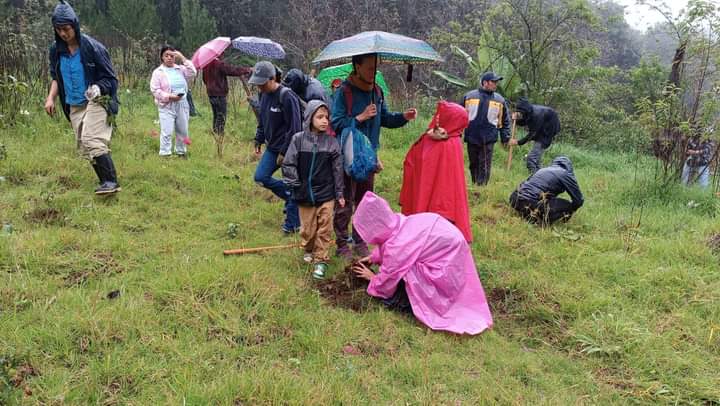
(563, 162)
(374, 220)
(310, 110)
(524, 107)
(450, 116)
(296, 80)
(63, 15)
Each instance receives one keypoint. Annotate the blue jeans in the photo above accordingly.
(701, 174)
(263, 175)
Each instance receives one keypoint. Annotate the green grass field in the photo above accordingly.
(620, 305)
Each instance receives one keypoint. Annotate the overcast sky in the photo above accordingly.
(642, 17)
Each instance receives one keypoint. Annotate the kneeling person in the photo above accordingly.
(536, 198)
(312, 168)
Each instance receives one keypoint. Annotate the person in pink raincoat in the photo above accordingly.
(430, 257)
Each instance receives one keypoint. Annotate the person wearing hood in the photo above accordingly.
(306, 87)
(536, 198)
(542, 124)
(312, 169)
(169, 86)
(426, 258)
(489, 116)
(84, 78)
(215, 76)
(360, 103)
(434, 170)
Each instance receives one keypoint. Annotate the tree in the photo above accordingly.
(691, 87)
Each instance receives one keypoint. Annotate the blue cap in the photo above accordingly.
(490, 76)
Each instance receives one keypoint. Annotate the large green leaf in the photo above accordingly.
(469, 59)
(452, 79)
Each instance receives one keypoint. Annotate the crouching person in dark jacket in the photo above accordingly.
(312, 168)
(536, 198)
(542, 124)
(84, 78)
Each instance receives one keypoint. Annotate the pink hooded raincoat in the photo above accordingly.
(431, 255)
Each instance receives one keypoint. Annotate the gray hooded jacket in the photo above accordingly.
(313, 164)
(552, 181)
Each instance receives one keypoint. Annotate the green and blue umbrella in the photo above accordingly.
(390, 48)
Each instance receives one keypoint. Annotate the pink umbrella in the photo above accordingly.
(209, 51)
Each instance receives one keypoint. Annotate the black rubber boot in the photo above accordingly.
(107, 175)
(97, 171)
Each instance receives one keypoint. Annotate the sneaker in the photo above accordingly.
(344, 253)
(107, 188)
(289, 229)
(361, 250)
(308, 257)
(319, 270)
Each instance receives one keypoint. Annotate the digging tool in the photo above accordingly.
(243, 251)
(512, 137)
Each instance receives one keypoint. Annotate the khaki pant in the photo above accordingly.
(92, 132)
(316, 224)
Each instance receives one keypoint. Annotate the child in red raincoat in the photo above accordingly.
(434, 170)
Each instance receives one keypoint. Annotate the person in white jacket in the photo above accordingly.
(169, 86)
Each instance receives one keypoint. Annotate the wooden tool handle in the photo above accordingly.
(243, 251)
(512, 137)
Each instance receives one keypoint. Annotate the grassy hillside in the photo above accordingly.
(620, 305)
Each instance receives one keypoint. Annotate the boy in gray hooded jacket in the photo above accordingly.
(312, 168)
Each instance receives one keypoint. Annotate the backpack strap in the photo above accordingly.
(347, 94)
(285, 90)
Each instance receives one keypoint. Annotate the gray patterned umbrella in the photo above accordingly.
(260, 47)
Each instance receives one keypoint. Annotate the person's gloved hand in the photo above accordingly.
(92, 92)
(280, 159)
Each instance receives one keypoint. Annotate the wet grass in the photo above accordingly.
(129, 300)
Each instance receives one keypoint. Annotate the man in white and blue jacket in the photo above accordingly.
(489, 116)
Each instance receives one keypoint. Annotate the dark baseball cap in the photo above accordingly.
(490, 76)
(262, 72)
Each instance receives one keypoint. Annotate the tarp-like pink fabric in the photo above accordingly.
(431, 255)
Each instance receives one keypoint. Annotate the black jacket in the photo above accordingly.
(306, 87)
(552, 181)
(95, 60)
(542, 122)
(313, 166)
(279, 119)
